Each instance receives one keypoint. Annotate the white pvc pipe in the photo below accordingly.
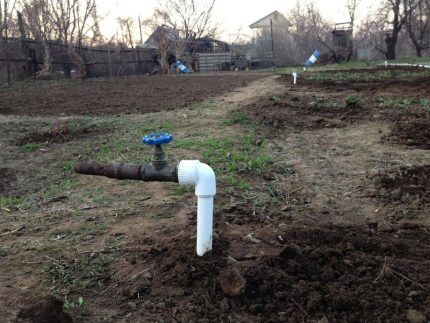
(295, 78)
(204, 224)
(200, 175)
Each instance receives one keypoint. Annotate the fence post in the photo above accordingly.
(109, 62)
(7, 56)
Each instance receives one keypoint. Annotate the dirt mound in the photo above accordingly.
(30, 307)
(46, 310)
(7, 178)
(412, 131)
(59, 135)
(406, 185)
(305, 113)
(343, 274)
(337, 272)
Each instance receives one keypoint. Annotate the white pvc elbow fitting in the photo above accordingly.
(295, 78)
(200, 175)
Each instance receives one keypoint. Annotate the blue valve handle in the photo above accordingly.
(157, 138)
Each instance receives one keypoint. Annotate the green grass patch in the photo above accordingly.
(30, 147)
(92, 271)
(8, 202)
(352, 100)
(238, 117)
(57, 189)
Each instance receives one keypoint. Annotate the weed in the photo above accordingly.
(236, 183)
(405, 103)
(62, 273)
(388, 103)
(3, 251)
(68, 306)
(237, 117)
(90, 272)
(68, 166)
(186, 143)
(425, 103)
(57, 189)
(352, 101)
(30, 147)
(7, 202)
(178, 190)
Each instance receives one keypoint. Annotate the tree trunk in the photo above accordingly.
(79, 61)
(391, 42)
(45, 71)
(419, 51)
(24, 44)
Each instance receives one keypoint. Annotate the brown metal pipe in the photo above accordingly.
(119, 171)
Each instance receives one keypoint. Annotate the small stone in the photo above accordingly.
(230, 208)
(316, 254)
(132, 305)
(251, 238)
(413, 293)
(224, 305)
(324, 319)
(291, 251)
(232, 282)
(413, 316)
(386, 227)
(282, 225)
(161, 305)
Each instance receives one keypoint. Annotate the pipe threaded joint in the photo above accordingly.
(187, 174)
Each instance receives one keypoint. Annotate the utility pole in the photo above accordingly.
(273, 46)
(140, 29)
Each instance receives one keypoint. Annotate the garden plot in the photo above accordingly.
(320, 211)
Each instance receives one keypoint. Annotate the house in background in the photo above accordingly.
(273, 25)
(275, 18)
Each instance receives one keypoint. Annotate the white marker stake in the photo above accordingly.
(295, 78)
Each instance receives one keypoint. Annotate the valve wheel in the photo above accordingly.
(157, 138)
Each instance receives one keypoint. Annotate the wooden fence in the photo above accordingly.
(20, 60)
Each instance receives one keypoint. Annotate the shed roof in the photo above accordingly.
(276, 18)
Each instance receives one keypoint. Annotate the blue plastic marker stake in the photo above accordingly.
(182, 67)
(313, 58)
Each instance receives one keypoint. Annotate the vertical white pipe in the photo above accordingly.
(295, 78)
(204, 224)
(200, 175)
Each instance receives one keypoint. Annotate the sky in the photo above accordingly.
(233, 15)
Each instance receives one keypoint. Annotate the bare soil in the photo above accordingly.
(333, 230)
(121, 95)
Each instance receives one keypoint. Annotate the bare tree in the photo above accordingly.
(41, 28)
(126, 33)
(395, 17)
(352, 6)
(6, 9)
(73, 20)
(191, 19)
(417, 23)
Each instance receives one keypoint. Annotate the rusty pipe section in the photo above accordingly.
(147, 173)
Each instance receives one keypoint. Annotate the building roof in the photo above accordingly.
(276, 18)
(158, 36)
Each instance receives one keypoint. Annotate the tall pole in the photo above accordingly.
(273, 45)
(140, 29)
